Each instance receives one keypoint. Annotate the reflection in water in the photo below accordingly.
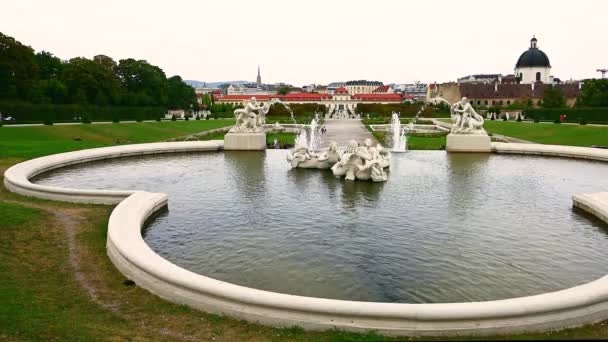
(443, 228)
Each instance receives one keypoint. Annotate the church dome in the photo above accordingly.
(533, 57)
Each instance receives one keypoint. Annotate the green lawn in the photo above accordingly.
(550, 133)
(35, 141)
(415, 143)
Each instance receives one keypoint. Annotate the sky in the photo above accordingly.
(319, 41)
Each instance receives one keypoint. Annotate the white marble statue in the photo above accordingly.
(302, 157)
(251, 118)
(277, 127)
(465, 119)
(363, 162)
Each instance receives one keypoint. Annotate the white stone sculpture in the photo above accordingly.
(467, 133)
(251, 118)
(302, 157)
(363, 162)
(277, 127)
(465, 119)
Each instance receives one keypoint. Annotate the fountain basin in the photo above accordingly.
(585, 303)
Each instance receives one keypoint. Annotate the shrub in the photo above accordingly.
(519, 118)
(557, 121)
(207, 117)
(85, 119)
(599, 114)
(115, 119)
(173, 118)
(582, 121)
(31, 112)
(536, 120)
(158, 119)
(48, 122)
(198, 117)
(504, 118)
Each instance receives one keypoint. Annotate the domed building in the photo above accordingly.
(533, 65)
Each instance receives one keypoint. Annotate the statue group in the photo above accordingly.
(357, 162)
(251, 118)
(465, 119)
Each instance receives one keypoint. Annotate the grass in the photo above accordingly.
(58, 284)
(416, 143)
(288, 139)
(36, 141)
(549, 133)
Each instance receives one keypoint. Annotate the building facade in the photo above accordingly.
(340, 104)
(533, 65)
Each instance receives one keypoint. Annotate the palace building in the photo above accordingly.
(339, 104)
(532, 76)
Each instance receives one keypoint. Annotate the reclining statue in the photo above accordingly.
(363, 162)
(303, 157)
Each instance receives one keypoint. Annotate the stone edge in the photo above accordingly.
(584, 304)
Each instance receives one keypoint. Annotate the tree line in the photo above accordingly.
(42, 78)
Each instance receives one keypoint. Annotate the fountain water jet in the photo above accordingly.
(398, 134)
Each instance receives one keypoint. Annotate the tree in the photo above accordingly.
(553, 98)
(179, 94)
(138, 76)
(86, 77)
(106, 62)
(18, 69)
(594, 93)
(283, 90)
(49, 66)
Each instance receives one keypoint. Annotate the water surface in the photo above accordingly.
(444, 228)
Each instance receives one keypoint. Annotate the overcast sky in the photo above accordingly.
(319, 41)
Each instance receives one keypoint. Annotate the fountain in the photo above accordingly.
(309, 137)
(398, 134)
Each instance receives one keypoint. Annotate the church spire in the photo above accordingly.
(259, 79)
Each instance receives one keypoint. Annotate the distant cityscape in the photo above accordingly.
(527, 84)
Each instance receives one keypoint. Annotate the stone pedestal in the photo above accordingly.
(245, 141)
(468, 143)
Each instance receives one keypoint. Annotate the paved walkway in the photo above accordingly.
(342, 131)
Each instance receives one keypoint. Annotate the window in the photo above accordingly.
(485, 102)
(538, 76)
(478, 102)
(500, 102)
(508, 102)
(493, 102)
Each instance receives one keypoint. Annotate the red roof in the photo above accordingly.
(378, 97)
(341, 90)
(245, 97)
(381, 89)
(303, 97)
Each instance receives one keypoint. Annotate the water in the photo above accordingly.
(444, 228)
(309, 136)
(399, 138)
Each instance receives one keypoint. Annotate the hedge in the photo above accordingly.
(590, 115)
(299, 110)
(406, 110)
(23, 111)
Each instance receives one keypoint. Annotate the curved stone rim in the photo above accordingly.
(587, 303)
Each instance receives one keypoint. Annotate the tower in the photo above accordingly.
(259, 78)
